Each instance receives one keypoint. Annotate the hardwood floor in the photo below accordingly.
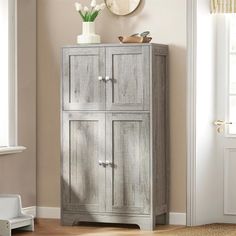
(52, 227)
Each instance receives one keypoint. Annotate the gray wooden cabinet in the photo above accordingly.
(114, 135)
(127, 149)
(80, 90)
(83, 145)
(128, 71)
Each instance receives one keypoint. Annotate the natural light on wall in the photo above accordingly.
(4, 69)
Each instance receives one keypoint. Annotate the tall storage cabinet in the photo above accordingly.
(114, 134)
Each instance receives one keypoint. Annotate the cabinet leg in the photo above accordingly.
(69, 221)
(146, 226)
(162, 219)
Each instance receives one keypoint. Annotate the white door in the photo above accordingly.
(226, 119)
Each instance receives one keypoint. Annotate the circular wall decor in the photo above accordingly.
(122, 7)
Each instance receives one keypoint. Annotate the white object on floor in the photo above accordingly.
(11, 215)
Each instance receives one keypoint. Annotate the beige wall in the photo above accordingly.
(58, 24)
(18, 171)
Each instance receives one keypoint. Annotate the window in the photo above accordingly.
(4, 74)
(8, 105)
(232, 73)
(226, 70)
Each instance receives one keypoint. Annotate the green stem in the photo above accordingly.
(94, 15)
(90, 14)
(86, 16)
(81, 14)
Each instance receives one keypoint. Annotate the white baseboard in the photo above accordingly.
(30, 210)
(54, 213)
(177, 218)
(49, 212)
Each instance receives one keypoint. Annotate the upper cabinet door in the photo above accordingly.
(127, 78)
(83, 74)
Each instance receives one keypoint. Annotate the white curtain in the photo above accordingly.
(223, 6)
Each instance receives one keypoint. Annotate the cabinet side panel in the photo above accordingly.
(160, 130)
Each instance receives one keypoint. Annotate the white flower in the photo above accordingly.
(93, 3)
(78, 6)
(97, 8)
(102, 6)
(86, 9)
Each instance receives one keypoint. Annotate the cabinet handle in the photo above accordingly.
(100, 78)
(109, 163)
(107, 78)
(102, 163)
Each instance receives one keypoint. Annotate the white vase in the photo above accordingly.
(88, 35)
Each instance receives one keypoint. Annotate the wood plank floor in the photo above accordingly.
(52, 227)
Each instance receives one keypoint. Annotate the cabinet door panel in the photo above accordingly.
(83, 146)
(128, 70)
(82, 90)
(127, 148)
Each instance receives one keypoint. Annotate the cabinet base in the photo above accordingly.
(73, 219)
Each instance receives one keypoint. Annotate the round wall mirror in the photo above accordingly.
(122, 7)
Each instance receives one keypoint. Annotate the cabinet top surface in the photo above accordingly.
(115, 45)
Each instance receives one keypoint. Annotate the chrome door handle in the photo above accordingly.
(220, 123)
(100, 78)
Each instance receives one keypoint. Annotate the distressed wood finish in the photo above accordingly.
(160, 132)
(82, 89)
(128, 70)
(127, 191)
(83, 183)
(126, 127)
(143, 221)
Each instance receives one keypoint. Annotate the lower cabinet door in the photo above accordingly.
(83, 146)
(128, 172)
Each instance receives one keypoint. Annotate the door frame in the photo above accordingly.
(201, 161)
(191, 110)
(193, 171)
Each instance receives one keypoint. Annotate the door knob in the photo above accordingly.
(100, 78)
(220, 123)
